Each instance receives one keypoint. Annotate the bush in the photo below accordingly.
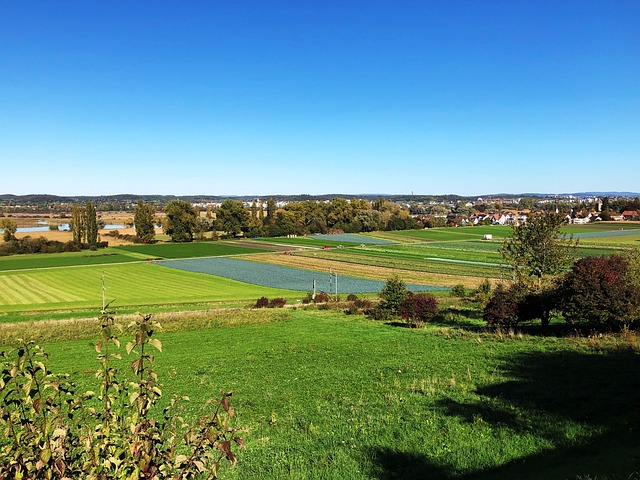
(49, 432)
(502, 308)
(357, 305)
(418, 309)
(277, 303)
(482, 294)
(379, 313)
(458, 291)
(29, 244)
(601, 292)
(262, 302)
(321, 297)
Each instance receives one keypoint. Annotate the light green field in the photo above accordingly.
(134, 284)
(448, 234)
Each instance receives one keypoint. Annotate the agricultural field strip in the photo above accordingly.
(607, 233)
(25, 289)
(344, 267)
(190, 250)
(468, 262)
(351, 238)
(417, 252)
(415, 265)
(279, 276)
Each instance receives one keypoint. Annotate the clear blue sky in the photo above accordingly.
(287, 97)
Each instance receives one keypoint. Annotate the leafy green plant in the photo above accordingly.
(393, 294)
(482, 294)
(458, 291)
(51, 431)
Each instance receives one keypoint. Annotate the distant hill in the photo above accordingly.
(126, 201)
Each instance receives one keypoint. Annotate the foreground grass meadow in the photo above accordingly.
(325, 395)
(322, 394)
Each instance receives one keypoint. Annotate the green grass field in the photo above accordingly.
(328, 396)
(70, 281)
(51, 260)
(303, 242)
(189, 250)
(128, 285)
(449, 234)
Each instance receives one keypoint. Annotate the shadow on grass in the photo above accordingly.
(470, 319)
(586, 405)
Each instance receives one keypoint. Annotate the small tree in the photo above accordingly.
(418, 309)
(393, 294)
(537, 248)
(77, 224)
(482, 294)
(90, 219)
(143, 219)
(9, 228)
(232, 217)
(458, 291)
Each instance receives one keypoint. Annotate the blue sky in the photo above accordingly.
(284, 97)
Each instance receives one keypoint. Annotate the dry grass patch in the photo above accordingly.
(88, 328)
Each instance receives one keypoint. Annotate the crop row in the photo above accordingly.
(278, 276)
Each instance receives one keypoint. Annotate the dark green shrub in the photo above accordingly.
(458, 291)
(393, 294)
(482, 294)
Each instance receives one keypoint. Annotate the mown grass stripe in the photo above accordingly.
(26, 290)
(127, 285)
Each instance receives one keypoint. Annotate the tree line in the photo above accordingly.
(184, 223)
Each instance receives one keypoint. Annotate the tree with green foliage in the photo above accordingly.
(393, 294)
(285, 224)
(77, 224)
(537, 248)
(90, 224)
(9, 228)
(232, 217)
(143, 220)
(180, 220)
(271, 210)
(339, 213)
